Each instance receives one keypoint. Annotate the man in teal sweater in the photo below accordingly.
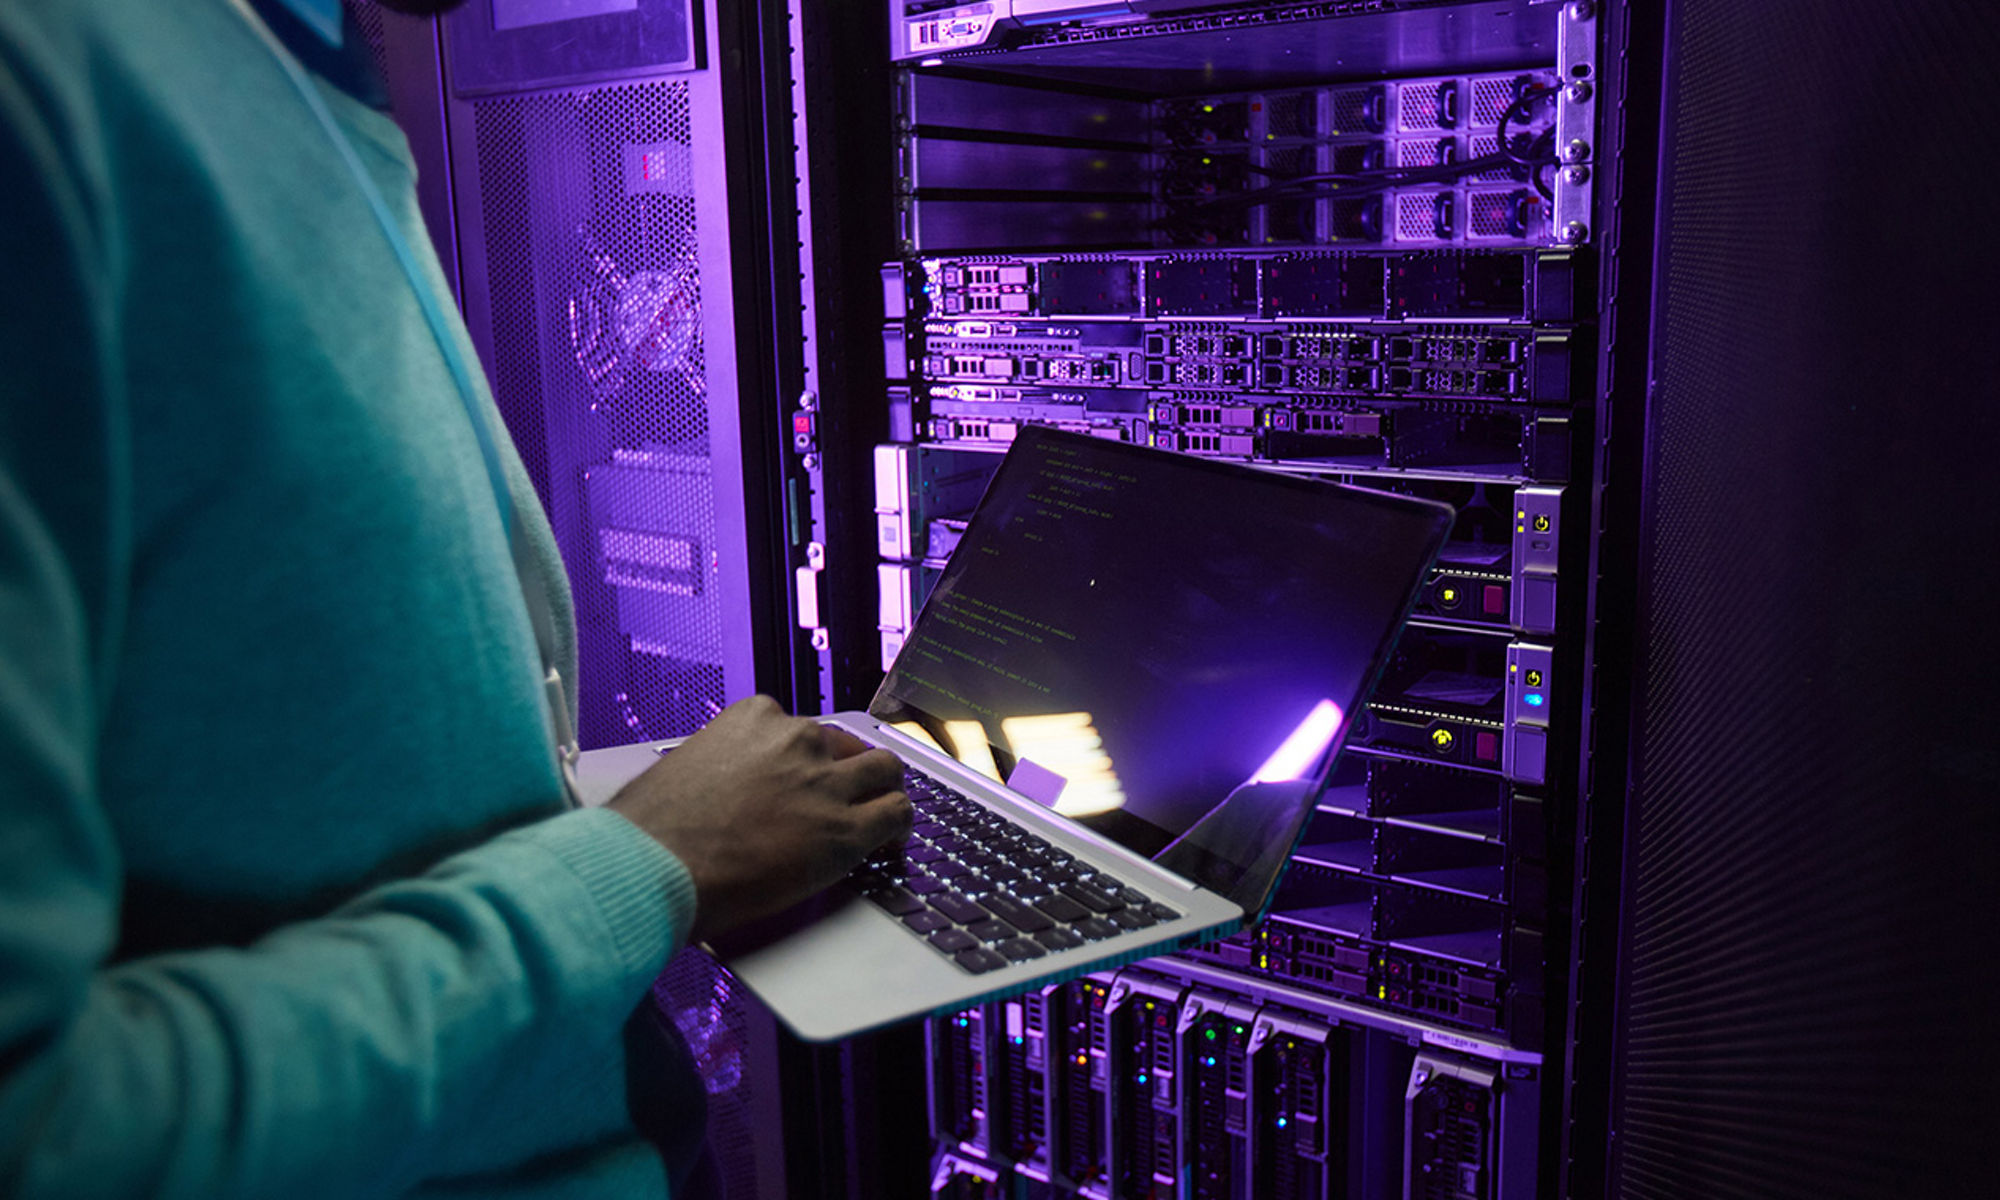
(289, 902)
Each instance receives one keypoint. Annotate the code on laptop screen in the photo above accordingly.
(1164, 648)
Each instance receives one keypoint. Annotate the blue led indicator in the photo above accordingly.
(1282, 1122)
(1534, 699)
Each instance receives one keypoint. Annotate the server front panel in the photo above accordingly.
(1370, 261)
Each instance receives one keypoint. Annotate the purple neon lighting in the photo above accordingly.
(1296, 755)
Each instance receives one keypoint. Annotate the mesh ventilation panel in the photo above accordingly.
(1357, 110)
(595, 297)
(1418, 216)
(1498, 214)
(368, 19)
(1292, 116)
(1484, 144)
(1422, 152)
(709, 1008)
(1490, 98)
(1811, 899)
(1297, 160)
(1418, 106)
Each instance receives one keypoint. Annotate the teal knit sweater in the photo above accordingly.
(289, 906)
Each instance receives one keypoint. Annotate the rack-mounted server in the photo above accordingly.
(1172, 1088)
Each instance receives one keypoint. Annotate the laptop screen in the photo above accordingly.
(1164, 648)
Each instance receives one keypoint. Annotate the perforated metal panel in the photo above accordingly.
(1295, 115)
(1417, 106)
(1357, 109)
(368, 19)
(1806, 1004)
(1503, 214)
(1490, 98)
(594, 285)
(1417, 216)
(1298, 160)
(718, 1019)
(1484, 144)
(1422, 152)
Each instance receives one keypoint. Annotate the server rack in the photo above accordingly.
(1358, 241)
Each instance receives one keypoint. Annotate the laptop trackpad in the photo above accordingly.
(765, 931)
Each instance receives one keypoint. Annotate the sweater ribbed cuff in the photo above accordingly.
(644, 891)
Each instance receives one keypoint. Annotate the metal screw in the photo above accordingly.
(1578, 92)
(1582, 10)
(820, 639)
(1576, 174)
(1575, 232)
(810, 462)
(808, 399)
(1576, 151)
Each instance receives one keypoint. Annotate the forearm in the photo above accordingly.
(321, 1060)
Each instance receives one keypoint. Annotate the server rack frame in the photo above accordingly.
(1530, 1171)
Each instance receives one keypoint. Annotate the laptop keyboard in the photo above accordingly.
(985, 892)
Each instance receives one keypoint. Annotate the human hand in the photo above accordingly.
(765, 809)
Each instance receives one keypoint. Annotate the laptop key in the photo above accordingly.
(1162, 913)
(1059, 939)
(951, 941)
(923, 885)
(979, 960)
(1096, 928)
(1091, 897)
(958, 908)
(948, 869)
(1020, 950)
(994, 930)
(1031, 889)
(1017, 913)
(927, 921)
(1062, 908)
(1130, 918)
(923, 854)
(896, 900)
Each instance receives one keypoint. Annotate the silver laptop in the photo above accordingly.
(1118, 708)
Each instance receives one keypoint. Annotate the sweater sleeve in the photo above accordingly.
(334, 1055)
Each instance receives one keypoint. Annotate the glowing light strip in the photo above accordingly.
(1301, 749)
